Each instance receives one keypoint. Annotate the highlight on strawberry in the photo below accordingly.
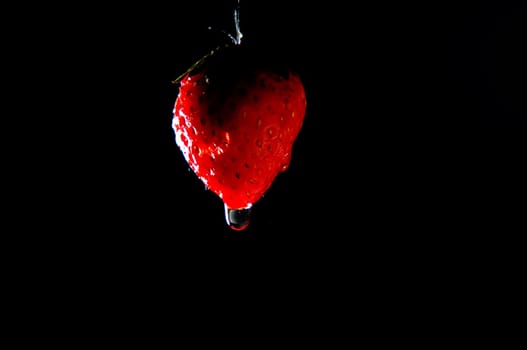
(235, 120)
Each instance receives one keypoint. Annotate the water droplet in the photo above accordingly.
(238, 219)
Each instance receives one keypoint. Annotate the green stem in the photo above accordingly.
(237, 41)
(194, 66)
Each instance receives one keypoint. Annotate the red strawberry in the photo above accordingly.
(235, 121)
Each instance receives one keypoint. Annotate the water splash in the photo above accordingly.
(238, 219)
(239, 35)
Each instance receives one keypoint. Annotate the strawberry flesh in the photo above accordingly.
(236, 129)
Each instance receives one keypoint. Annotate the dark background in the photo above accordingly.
(414, 125)
(406, 105)
(406, 186)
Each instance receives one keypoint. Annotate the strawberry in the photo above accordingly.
(235, 121)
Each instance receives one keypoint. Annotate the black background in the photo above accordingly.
(406, 102)
(406, 177)
(414, 125)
